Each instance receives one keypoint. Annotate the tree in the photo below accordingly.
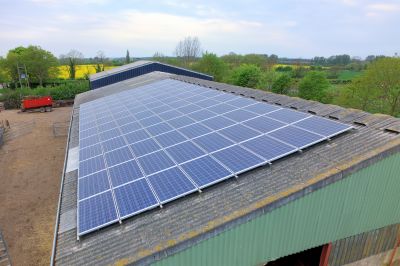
(212, 65)
(378, 89)
(282, 84)
(232, 59)
(4, 73)
(127, 57)
(246, 76)
(188, 50)
(100, 61)
(313, 86)
(158, 56)
(40, 64)
(72, 59)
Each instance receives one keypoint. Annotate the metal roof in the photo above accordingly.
(136, 64)
(185, 222)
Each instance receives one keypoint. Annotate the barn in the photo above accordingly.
(330, 201)
(136, 69)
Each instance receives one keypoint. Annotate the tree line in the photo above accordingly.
(376, 89)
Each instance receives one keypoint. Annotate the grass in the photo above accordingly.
(349, 74)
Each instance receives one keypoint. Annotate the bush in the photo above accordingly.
(284, 69)
(12, 98)
(282, 84)
(246, 76)
(314, 86)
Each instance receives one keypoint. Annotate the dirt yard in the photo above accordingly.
(31, 162)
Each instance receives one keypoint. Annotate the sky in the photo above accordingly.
(288, 28)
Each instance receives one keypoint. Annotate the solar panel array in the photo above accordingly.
(141, 148)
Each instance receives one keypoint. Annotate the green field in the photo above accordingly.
(349, 74)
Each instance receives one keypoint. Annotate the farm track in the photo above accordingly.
(31, 161)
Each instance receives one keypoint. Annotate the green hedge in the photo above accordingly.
(12, 98)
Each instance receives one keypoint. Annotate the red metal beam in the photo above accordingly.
(326, 251)
(394, 251)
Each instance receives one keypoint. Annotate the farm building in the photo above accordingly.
(136, 69)
(333, 202)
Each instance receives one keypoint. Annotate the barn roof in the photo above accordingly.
(182, 223)
(138, 68)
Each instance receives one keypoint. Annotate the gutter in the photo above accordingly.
(53, 252)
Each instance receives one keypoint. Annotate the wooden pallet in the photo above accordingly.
(4, 257)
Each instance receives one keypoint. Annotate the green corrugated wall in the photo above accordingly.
(365, 200)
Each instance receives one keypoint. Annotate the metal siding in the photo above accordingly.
(363, 245)
(362, 202)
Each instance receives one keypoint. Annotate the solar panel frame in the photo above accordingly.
(173, 114)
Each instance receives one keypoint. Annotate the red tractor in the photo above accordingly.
(37, 103)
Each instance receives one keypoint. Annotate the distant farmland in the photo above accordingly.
(81, 71)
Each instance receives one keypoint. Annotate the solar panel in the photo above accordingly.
(144, 147)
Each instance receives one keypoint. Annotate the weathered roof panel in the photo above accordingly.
(185, 222)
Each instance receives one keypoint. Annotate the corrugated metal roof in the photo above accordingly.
(136, 64)
(119, 69)
(186, 221)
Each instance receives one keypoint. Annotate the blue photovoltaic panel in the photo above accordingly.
(201, 115)
(118, 156)
(169, 139)
(184, 152)
(144, 147)
(89, 141)
(239, 115)
(287, 115)
(239, 133)
(91, 165)
(296, 136)
(171, 184)
(113, 144)
(206, 171)
(155, 162)
(268, 147)
(322, 126)
(90, 152)
(222, 108)
(213, 142)
(195, 130)
(93, 184)
(124, 173)
(264, 124)
(96, 212)
(241, 102)
(261, 108)
(130, 127)
(180, 121)
(207, 103)
(159, 128)
(89, 132)
(170, 114)
(135, 197)
(137, 136)
(218, 122)
(238, 159)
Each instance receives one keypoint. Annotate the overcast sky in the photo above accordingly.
(288, 28)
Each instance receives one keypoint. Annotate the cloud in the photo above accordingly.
(50, 3)
(155, 28)
(384, 7)
(350, 2)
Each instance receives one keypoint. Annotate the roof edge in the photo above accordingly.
(383, 122)
(217, 226)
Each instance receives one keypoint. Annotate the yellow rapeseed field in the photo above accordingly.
(81, 71)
